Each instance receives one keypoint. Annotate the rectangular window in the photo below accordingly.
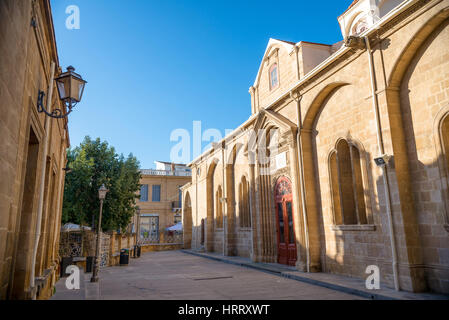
(156, 195)
(144, 193)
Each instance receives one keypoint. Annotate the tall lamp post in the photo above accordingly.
(102, 195)
(138, 225)
(137, 230)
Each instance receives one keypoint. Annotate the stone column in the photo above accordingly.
(301, 263)
(311, 200)
(230, 211)
(255, 216)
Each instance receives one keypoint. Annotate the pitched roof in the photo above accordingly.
(289, 42)
(352, 4)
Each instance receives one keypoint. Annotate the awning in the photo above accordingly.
(176, 227)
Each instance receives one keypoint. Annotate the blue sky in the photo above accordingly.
(156, 66)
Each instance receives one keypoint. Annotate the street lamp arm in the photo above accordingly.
(57, 113)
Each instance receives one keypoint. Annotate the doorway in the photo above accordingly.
(287, 253)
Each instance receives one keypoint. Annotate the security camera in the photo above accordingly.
(382, 160)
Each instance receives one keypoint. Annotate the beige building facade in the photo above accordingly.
(160, 200)
(32, 152)
(344, 162)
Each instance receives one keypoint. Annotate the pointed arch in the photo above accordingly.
(316, 105)
(218, 214)
(210, 204)
(410, 50)
(347, 183)
(441, 138)
(187, 221)
(400, 112)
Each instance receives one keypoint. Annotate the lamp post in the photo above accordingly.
(137, 230)
(138, 226)
(102, 195)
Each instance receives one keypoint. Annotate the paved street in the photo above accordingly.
(176, 275)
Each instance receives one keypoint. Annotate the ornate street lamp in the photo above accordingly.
(102, 195)
(70, 87)
(137, 230)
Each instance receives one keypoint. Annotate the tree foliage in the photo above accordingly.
(94, 163)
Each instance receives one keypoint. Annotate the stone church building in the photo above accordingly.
(344, 162)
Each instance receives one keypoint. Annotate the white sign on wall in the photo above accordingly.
(281, 160)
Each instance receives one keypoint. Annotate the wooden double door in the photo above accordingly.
(287, 253)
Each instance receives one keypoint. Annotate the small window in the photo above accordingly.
(156, 195)
(274, 76)
(144, 193)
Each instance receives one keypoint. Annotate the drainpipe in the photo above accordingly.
(42, 177)
(57, 227)
(301, 177)
(198, 243)
(384, 167)
(224, 202)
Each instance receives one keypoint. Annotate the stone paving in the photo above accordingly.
(326, 280)
(174, 275)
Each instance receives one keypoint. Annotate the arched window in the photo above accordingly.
(244, 208)
(274, 76)
(219, 209)
(444, 132)
(347, 185)
(442, 146)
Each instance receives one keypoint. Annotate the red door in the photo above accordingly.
(285, 229)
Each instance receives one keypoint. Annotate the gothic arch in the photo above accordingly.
(442, 153)
(394, 105)
(406, 153)
(316, 105)
(311, 184)
(417, 40)
(187, 221)
(210, 205)
(360, 182)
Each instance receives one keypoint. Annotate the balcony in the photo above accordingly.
(153, 172)
(176, 206)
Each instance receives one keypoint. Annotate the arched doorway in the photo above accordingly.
(187, 223)
(284, 221)
(203, 233)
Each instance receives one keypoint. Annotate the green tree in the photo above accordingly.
(94, 163)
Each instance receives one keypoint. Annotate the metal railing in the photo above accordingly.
(152, 172)
(165, 237)
(176, 204)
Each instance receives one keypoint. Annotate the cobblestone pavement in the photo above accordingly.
(174, 275)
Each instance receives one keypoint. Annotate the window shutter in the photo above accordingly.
(144, 193)
(156, 196)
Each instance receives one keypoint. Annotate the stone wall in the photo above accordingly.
(83, 244)
(27, 49)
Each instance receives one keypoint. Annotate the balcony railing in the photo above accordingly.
(176, 205)
(153, 172)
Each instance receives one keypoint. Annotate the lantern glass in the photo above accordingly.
(70, 86)
(102, 192)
